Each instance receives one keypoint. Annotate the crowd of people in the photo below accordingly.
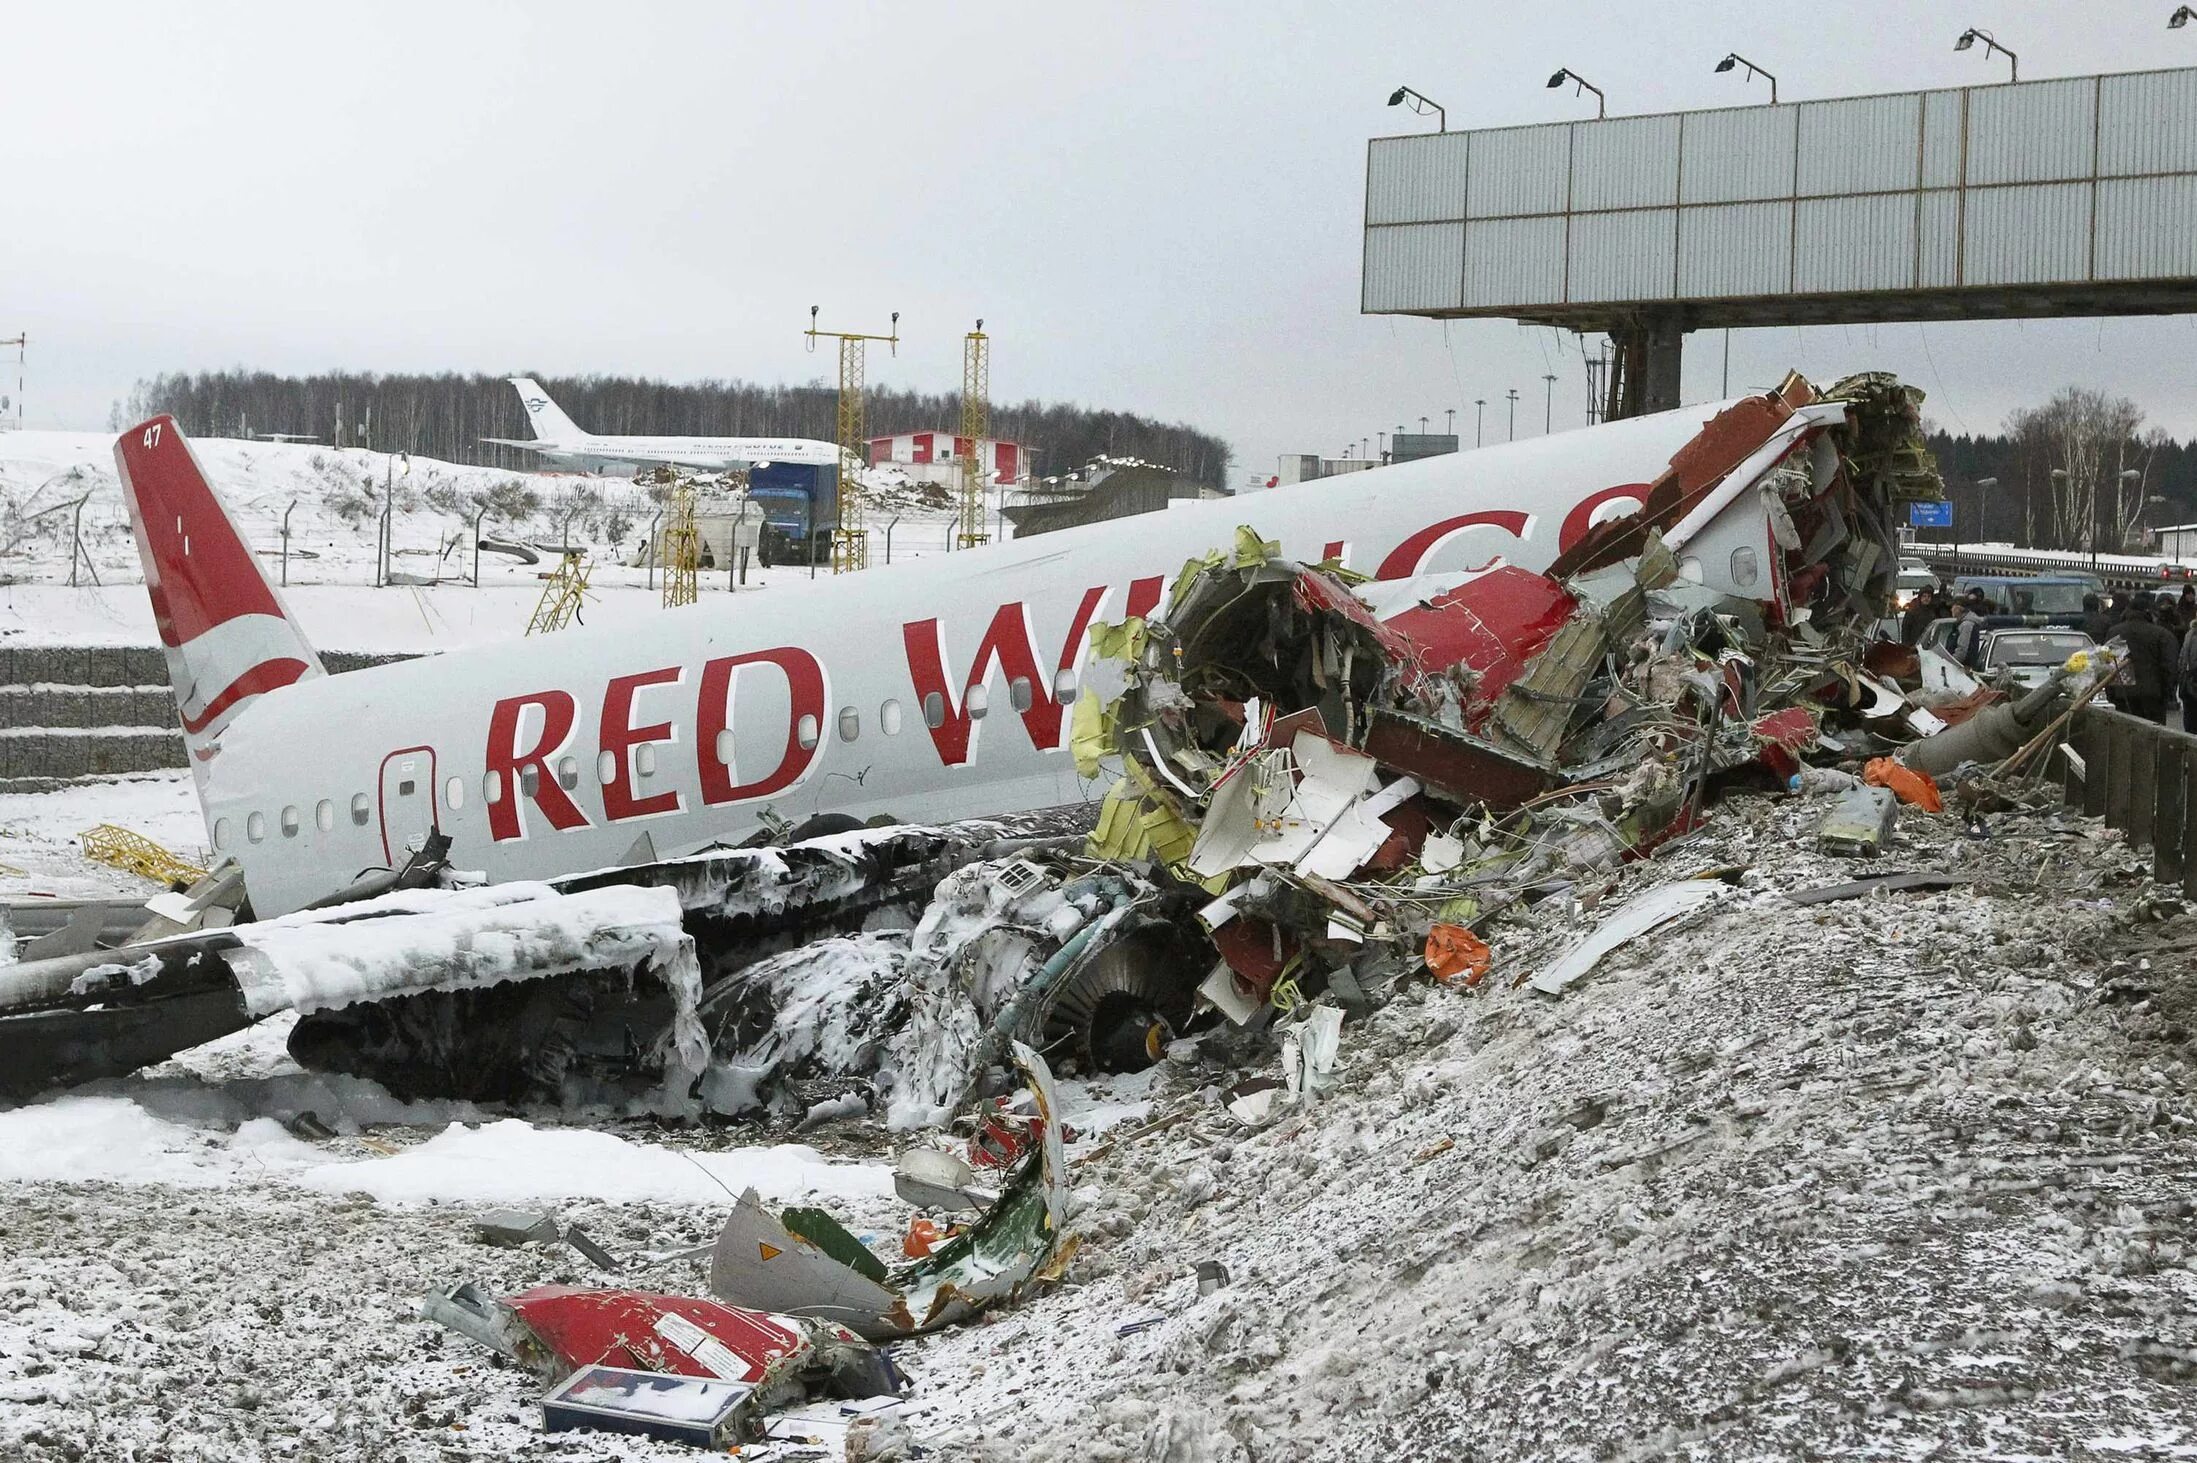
(2162, 666)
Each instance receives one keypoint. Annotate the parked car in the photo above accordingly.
(2026, 657)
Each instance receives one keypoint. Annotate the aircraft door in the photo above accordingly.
(407, 802)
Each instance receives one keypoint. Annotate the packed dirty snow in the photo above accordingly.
(1894, 1176)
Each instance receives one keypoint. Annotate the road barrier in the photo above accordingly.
(2140, 777)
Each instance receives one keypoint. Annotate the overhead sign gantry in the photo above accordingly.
(2074, 196)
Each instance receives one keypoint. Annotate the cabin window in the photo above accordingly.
(934, 708)
(255, 827)
(491, 788)
(888, 718)
(324, 815)
(606, 768)
(453, 793)
(644, 757)
(361, 809)
(1064, 686)
(221, 832)
(850, 723)
(977, 702)
(406, 788)
(290, 822)
(805, 731)
(724, 746)
(1745, 567)
(1018, 693)
(568, 774)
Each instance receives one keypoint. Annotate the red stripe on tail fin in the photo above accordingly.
(229, 637)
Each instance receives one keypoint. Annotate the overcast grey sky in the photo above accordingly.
(1155, 207)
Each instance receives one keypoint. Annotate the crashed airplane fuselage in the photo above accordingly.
(932, 690)
(873, 695)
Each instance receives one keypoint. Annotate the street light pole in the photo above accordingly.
(1972, 35)
(1512, 396)
(1548, 404)
(1479, 420)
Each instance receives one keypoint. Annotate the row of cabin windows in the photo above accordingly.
(976, 701)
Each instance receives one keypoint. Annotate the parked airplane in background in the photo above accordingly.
(558, 438)
(931, 690)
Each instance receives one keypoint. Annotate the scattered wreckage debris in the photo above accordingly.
(798, 1301)
(804, 1263)
(1652, 909)
(762, 1362)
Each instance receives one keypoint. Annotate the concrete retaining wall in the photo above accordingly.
(69, 712)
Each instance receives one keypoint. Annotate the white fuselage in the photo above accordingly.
(709, 454)
(934, 689)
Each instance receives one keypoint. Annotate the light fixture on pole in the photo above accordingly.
(2182, 16)
(1981, 485)
(1972, 35)
(1419, 102)
(1512, 394)
(1548, 404)
(1451, 411)
(1753, 71)
(1479, 420)
(1564, 74)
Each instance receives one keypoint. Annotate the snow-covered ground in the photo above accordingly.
(1904, 1176)
(39, 855)
(333, 530)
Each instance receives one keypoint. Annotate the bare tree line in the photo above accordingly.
(446, 416)
(2082, 471)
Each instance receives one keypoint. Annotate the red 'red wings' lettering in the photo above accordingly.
(1006, 642)
(1403, 561)
(620, 736)
(1581, 518)
(505, 761)
(804, 683)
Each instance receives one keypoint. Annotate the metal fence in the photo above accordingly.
(2140, 777)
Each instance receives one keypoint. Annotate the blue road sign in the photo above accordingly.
(1930, 515)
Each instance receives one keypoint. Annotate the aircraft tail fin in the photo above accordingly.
(228, 636)
(543, 415)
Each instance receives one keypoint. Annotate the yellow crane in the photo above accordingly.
(682, 549)
(562, 594)
(850, 539)
(976, 412)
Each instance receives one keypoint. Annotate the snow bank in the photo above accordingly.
(513, 1161)
(114, 1140)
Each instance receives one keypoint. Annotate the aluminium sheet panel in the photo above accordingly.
(1411, 180)
(1943, 117)
(1519, 170)
(2037, 132)
(2036, 234)
(1862, 243)
(1859, 144)
(2147, 123)
(1738, 155)
(1631, 162)
(1623, 256)
(2147, 227)
(1735, 249)
(1938, 260)
(1413, 266)
(1514, 261)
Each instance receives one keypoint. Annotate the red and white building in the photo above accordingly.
(936, 457)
